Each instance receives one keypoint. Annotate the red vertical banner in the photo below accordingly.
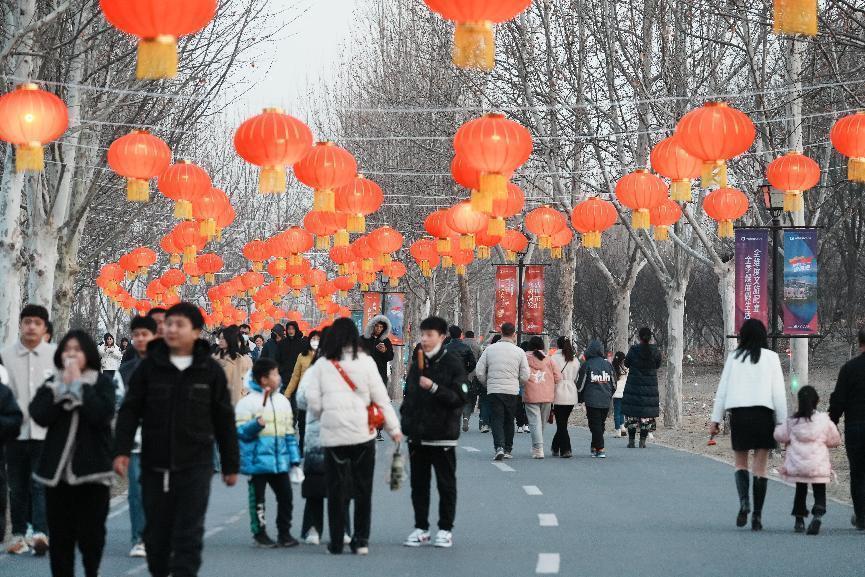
(533, 300)
(506, 296)
(371, 307)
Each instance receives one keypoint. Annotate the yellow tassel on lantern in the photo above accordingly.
(174, 259)
(272, 180)
(356, 223)
(340, 238)
(511, 255)
(714, 174)
(856, 169)
(592, 239)
(443, 245)
(384, 259)
(258, 266)
(137, 190)
(29, 158)
(495, 186)
(207, 228)
(474, 45)
(794, 201)
(194, 280)
(294, 259)
(364, 287)
(461, 269)
(295, 293)
(725, 229)
(367, 265)
(545, 242)
(482, 201)
(496, 227)
(556, 252)
(796, 17)
(680, 191)
(157, 58)
(394, 282)
(641, 219)
(340, 269)
(447, 261)
(189, 254)
(467, 242)
(209, 277)
(662, 233)
(322, 242)
(483, 252)
(322, 200)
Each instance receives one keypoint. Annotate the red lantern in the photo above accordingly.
(592, 217)
(224, 220)
(188, 237)
(183, 182)
(206, 209)
(506, 208)
(173, 277)
(30, 118)
(158, 24)
(670, 159)
(327, 167)
(469, 177)
(436, 225)
(209, 264)
(793, 173)
(484, 241)
(297, 241)
(663, 217)
(559, 241)
(343, 284)
(715, 133)
(256, 252)
(193, 271)
(394, 271)
(168, 247)
(544, 222)
(385, 241)
(272, 140)
(513, 242)
(848, 138)
(138, 157)
(358, 199)
(424, 253)
(341, 256)
(496, 147)
(726, 205)
(467, 222)
(142, 259)
(462, 259)
(641, 191)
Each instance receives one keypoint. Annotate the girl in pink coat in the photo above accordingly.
(809, 434)
(539, 392)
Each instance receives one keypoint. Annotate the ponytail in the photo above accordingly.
(808, 400)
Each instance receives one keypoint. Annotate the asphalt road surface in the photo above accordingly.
(651, 512)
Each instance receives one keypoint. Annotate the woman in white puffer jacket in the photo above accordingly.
(339, 389)
(565, 361)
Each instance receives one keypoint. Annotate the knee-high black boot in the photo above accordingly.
(742, 486)
(760, 484)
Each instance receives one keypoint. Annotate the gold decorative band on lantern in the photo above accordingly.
(795, 17)
(157, 58)
(29, 158)
(272, 180)
(794, 201)
(856, 169)
(474, 45)
(641, 219)
(662, 233)
(137, 190)
(680, 190)
(714, 174)
(495, 186)
(592, 239)
(323, 200)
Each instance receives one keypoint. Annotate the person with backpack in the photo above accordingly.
(539, 392)
(436, 389)
(641, 401)
(566, 363)
(595, 380)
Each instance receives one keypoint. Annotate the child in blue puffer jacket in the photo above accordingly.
(269, 452)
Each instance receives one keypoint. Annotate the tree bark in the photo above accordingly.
(466, 315)
(567, 268)
(726, 273)
(675, 354)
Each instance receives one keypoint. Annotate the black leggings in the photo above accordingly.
(349, 472)
(76, 516)
(596, 419)
(800, 508)
(562, 440)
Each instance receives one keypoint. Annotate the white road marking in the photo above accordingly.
(503, 467)
(548, 563)
(213, 532)
(136, 570)
(118, 511)
(471, 450)
(548, 520)
(532, 490)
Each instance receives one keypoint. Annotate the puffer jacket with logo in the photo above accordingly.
(595, 379)
(270, 449)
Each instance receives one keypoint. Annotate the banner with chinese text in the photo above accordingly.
(752, 279)
(506, 296)
(371, 307)
(800, 282)
(533, 300)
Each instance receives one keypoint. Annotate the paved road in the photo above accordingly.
(652, 512)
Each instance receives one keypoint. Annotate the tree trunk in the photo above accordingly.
(11, 265)
(622, 318)
(727, 291)
(465, 316)
(42, 244)
(64, 283)
(675, 354)
(567, 269)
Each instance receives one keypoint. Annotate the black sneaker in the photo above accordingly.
(263, 540)
(288, 541)
(379, 437)
(814, 526)
(799, 526)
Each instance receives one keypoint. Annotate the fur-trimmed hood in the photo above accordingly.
(367, 332)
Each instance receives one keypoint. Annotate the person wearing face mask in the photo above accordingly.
(304, 360)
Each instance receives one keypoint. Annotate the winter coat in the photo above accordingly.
(540, 387)
(77, 417)
(10, 414)
(342, 411)
(289, 349)
(111, 357)
(808, 442)
(641, 397)
(566, 388)
(848, 399)
(435, 414)
(620, 384)
(463, 354)
(595, 379)
(236, 373)
(303, 363)
(745, 384)
(270, 449)
(27, 370)
(476, 350)
(270, 350)
(502, 367)
(122, 378)
(181, 413)
(370, 343)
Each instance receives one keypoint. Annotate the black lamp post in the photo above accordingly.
(773, 200)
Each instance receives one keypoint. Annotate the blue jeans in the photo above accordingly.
(26, 496)
(618, 417)
(133, 497)
(485, 409)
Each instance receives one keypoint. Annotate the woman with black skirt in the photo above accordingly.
(752, 389)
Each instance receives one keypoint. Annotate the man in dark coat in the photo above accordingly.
(436, 389)
(291, 347)
(469, 360)
(10, 426)
(376, 343)
(596, 385)
(641, 400)
(271, 347)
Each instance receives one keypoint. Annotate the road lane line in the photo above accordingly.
(548, 520)
(548, 563)
(504, 467)
(472, 450)
(532, 490)
(118, 511)
(136, 570)
(213, 532)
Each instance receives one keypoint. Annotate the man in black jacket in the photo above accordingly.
(436, 389)
(848, 400)
(179, 397)
(455, 345)
(10, 426)
(291, 347)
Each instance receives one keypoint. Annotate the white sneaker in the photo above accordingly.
(18, 546)
(312, 538)
(444, 539)
(40, 544)
(538, 453)
(417, 538)
(346, 540)
(500, 454)
(361, 551)
(138, 550)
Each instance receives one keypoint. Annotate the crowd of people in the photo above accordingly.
(166, 409)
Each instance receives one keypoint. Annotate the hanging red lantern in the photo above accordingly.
(484, 241)
(321, 225)
(848, 138)
(795, 17)
(466, 175)
(436, 225)
(591, 218)
(138, 157)
(341, 255)
(385, 241)
(467, 222)
(424, 253)
(462, 258)
(142, 259)
(206, 209)
(183, 182)
(641, 191)
(358, 199)
(671, 160)
(225, 218)
(559, 241)
(193, 271)
(30, 118)
(394, 271)
(158, 24)
(173, 277)
(326, 168)
(272, 140)
(168, 247)
(793, 173)
(344, 284)
(256, 251)
(724, 206)
(513, 242)
(506, 208)
(544, 222)
(495, 146)
(715, 133)
(664, 216)
(209, 264)
(188, 237)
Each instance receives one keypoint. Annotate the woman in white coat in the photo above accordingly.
(752, 389)
(340, 388)
(110, 355)
(566, 363)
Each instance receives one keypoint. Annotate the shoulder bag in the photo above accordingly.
(375, 416)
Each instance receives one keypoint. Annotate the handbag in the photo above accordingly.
(375, 416)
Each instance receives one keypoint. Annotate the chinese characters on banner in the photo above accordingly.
(800, 282)
(394, 310)
(506, 296)
(371, 307)
(752, 296)
(533, 300)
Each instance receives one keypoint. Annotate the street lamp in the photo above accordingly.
(773, 200)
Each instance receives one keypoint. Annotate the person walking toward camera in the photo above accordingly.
(110, 354)
(808, 434)
(752, 389)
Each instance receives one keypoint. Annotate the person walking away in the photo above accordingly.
(477, 393)
(10, 426)
(270, 350)
(110, 354)
(344, 386)
(752, 389)
(641, 402)
(232, 360)
(620, 372)
(304, 361)
(464, 354)
(539, 392)
(376, 343)
(568, 367)
(268, 451)
(29, 362)
(76, 407)
(502, 367)
(808, 434)
(436, 390)
(179, 397)
(848, 401)
(595, 380)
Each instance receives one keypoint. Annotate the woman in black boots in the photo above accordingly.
(752, 389)
(641, 401)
